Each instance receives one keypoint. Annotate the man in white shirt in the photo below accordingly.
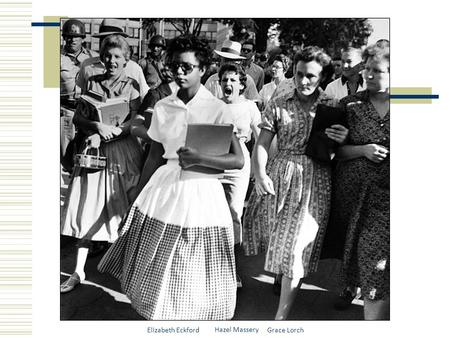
(351, 80)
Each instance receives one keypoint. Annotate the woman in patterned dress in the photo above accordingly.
(97, 200)
(362, 187)
(288, 209)
(174, 257)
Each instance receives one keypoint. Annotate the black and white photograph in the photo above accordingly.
(216, 169)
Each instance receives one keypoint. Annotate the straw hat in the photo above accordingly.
(230, 50)
(110, 26)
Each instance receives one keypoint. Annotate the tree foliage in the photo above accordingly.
(243, 29)
(330, 34)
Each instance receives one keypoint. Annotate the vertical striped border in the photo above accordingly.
(15, 169)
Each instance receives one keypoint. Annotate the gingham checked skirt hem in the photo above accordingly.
(170, 268)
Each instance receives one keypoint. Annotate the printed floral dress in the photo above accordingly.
(291, 225)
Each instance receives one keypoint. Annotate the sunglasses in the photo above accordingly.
(246, 50)
(186, 67)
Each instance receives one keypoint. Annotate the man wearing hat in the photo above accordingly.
(72, 55)
(231, 53)
(152, 65)
(94, 66)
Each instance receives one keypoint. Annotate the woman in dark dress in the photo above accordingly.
(362, 187)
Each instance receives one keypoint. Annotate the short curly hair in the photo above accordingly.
(191, 43)
(115, 41)
(317, 54)
(285, 61)
(231, 67)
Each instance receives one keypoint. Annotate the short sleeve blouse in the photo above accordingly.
(171, 117)
(285, 117)
(245, 115)
(122, 87)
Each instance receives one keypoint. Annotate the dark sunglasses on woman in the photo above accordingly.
(186, 67)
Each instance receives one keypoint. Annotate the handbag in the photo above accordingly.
(319, 146)
(90, 161)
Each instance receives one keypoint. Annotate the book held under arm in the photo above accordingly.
(209, 139)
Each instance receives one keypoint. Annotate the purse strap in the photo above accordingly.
(87, 147)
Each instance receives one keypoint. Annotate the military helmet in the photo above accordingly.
(73, 27)
(157, 40)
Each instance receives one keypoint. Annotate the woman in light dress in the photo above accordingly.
(246, 118)
(175, 257)
(97, 200)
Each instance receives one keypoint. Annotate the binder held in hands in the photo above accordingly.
(320, 147)
(209, 139)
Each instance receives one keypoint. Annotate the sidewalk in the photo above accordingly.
(100, 296)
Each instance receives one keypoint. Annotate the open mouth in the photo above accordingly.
(228, 91)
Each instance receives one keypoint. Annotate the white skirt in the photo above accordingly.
(97, 200)
(174, 256)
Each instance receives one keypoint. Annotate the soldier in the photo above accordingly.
(152, 65)
(72, 55)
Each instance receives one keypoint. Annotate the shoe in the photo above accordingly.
(97, 248)
(345, 300)
(238, 281)
(71, 283)
(276, 288)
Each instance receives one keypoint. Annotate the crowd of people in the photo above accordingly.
(174, 233)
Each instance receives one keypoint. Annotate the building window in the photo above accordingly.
(171, 33)
(209, 36)
(95, 28)
(87, 28)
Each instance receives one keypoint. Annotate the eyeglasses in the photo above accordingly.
(246, 50)
(186, 67)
